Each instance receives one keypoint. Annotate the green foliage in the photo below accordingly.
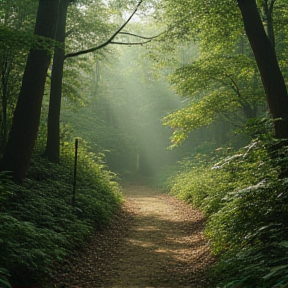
(214, 68)
(122, 118)
(246, 204)
(208, 185)
(214, 86)
(253, 230)
(38, 223)
(4, 283)
(162, 180)
(16, 38)
(244, 192)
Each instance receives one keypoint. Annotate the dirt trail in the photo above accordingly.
(155, 241)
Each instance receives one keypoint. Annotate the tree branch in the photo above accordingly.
(139, 36)
(130, 43)
(235, 87)
(74, 54)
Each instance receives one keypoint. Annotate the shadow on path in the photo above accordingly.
(156, 241)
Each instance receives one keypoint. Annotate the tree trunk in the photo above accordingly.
(6, 69)
(25, 124)
(267, 63)
(267, 11)
(52, 150)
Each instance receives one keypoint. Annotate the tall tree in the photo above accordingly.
(73, 26)
(25, 124)
(53, 130)
(16, 34)
(53, 137)
(267, 62)
(219, 29)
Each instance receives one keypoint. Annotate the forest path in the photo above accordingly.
(155, 241)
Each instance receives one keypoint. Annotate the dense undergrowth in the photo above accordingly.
(39, 226)
(246, 203)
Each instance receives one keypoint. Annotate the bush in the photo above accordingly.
(246, 203)
(251, 235)
(38, 223)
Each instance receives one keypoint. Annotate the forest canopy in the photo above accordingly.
(189, 95)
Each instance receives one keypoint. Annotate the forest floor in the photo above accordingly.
(154, 241)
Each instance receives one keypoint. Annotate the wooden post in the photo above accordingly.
(75, 172)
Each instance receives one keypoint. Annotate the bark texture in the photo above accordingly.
(267, 63)
(52, 150)
(26, 118)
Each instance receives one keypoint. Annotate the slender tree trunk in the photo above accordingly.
(267, 63)
(267, 11)
(25, 124)
(52, 150)
(6, 68)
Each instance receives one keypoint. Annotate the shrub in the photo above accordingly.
(246, 203)
(38, 223)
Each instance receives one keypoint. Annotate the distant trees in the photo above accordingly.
(123, 118)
